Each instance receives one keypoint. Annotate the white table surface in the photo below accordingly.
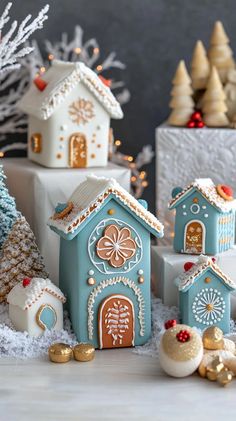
(117, 385)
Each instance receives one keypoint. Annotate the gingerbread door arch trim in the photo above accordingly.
(78, 150)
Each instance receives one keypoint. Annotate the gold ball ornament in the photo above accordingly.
(60, 353)
(213, 338)
(180, 358)
(224, 377)
(84, 352)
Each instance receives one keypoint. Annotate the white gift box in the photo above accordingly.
(168, 265)
(37, 191)
(185, 154)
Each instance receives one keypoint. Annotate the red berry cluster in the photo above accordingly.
(188, 266)
(196, 121)
(170, 323)
(183, 336)
(26, 282)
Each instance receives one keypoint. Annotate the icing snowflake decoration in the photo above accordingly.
(208, 306)
(116, 246)
(81, 111)
(117, 322)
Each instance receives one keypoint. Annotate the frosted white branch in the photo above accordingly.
(11, 42)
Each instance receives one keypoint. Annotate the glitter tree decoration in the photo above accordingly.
(8, 212)
(19, 254)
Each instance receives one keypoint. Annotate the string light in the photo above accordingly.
(133, 179)
(50, 57)
(96, 50)
(130, 158)
(99, 68)
(77, 50)
(118, 142)
(42, 69)
(144, 183)
(1, 154)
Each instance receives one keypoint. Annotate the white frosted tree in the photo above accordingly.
(181, 103)
(214, 107)
(220, 54)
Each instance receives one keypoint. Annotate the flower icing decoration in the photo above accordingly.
(208, 306)
(81, 111)
(116, 246)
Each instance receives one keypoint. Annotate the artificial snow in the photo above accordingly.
(21, 345)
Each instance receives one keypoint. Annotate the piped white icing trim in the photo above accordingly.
(62, 78)
(208, 189)
(188, 278)
(112, 281)
(88, 198)
(24, 297)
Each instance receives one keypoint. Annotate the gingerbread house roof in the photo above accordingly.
(25, 296)
(209, 191)
(62, 78)
(88, 198)
(188, 278)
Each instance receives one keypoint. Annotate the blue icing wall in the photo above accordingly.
(79, 261)
(194, 299)
(194, 213)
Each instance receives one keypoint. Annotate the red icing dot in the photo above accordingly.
(183, 336)
(26, 282)
(191, 124)
(227, 190)
(170, 323)
(188, 266)
(213, 259)
(106, 82)
(196, 116)
(40, 83)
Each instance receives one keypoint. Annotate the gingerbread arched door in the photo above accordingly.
(78, 150)
(194, 237)
(116, 322)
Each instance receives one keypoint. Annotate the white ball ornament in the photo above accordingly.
(181, 350)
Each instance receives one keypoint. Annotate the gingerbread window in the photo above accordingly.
(36, 142)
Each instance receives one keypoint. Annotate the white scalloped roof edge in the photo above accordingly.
(92, 191)
(188, 278)
(208, 189)
(62, 78)
(24, 297)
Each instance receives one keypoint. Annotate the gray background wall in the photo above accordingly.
(150, 36)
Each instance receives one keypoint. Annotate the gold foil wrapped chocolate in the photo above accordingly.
(60, 353)
(84, 352)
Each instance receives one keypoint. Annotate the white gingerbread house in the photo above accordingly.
(69, 110)
(36, 305)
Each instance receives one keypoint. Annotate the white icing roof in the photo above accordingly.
(208, 189)
(89, 196)
(62, 78)
(187, 279)
(24, 297)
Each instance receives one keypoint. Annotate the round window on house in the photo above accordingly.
(195, 208)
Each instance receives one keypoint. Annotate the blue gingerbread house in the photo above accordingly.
(105, 263)
(204, 295)
(204, 219)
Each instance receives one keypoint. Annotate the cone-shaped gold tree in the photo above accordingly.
(182, 104)
(214, 107)
(230, 92)
(220, 53)
(200, 67)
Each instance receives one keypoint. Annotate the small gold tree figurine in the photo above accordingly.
(220, 53)
(200, 67)
(182, 104)
(214, 107)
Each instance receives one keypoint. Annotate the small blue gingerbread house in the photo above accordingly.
(105, 263)
(204, 219)
(204, 295)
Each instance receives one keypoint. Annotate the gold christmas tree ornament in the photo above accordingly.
(182, 104)
(214, 107)
(213, 338)
(84, 352)
(200, 67)
(220, 54)
(60, 353)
